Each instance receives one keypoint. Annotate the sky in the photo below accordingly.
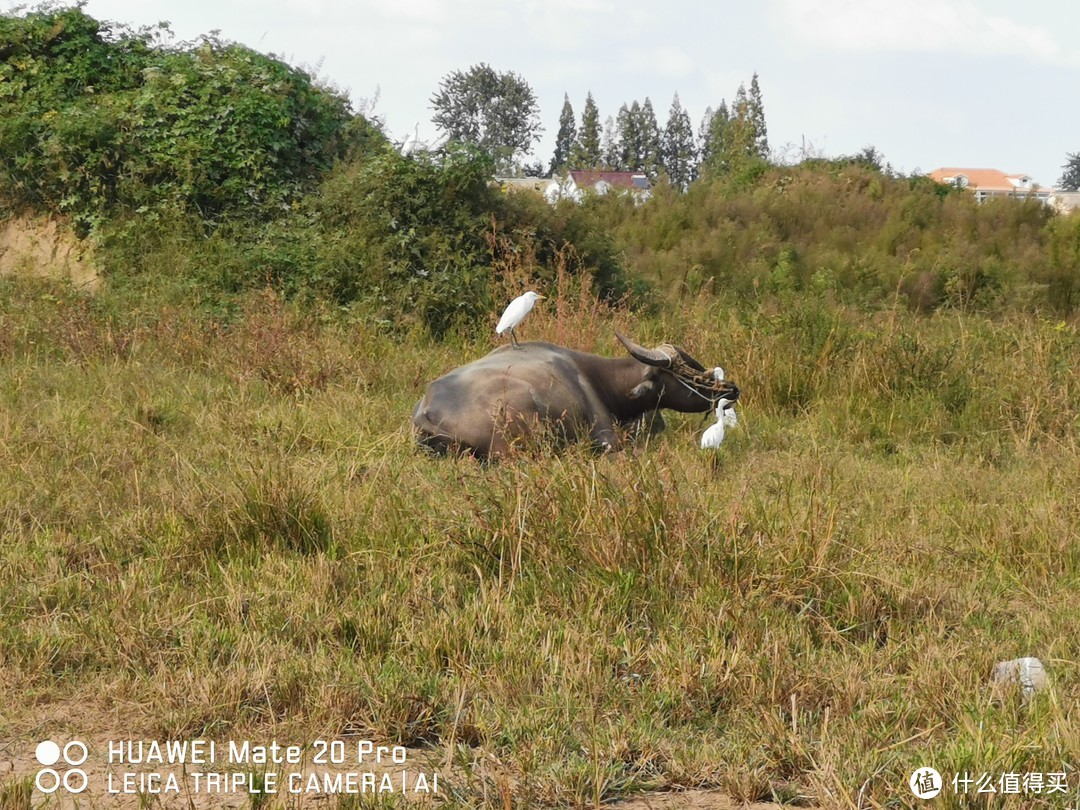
(928, 83)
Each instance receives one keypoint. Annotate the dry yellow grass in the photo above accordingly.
(223, 530)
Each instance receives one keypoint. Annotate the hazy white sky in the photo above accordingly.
(973, 83)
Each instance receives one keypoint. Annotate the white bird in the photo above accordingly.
(515, 314)
(411, 141)
(725, 418)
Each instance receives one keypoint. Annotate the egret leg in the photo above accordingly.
(513, 340)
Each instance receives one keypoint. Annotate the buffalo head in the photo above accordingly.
(677, 380)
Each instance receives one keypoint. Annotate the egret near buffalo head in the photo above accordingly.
(725, 418)
(515, 314)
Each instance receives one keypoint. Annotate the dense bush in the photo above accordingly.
(403, 235)
(856, 233)
(216, 169)
(419, 241)
(97, 118)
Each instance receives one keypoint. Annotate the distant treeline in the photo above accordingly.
(633, 140)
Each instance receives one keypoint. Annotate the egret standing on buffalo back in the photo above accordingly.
(515, 314)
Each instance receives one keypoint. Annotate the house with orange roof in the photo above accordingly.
(992, 183)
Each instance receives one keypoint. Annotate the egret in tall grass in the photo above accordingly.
(515, 314)
(725, 418)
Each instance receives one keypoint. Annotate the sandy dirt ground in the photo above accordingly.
(43, 247)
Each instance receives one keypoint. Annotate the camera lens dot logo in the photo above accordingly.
(48, 753)
(75, 753)
(75, 781)
(48, 779)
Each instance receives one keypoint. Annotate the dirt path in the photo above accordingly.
(689, 800)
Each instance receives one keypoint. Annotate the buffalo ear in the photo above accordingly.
(643, 389)
(690, 361)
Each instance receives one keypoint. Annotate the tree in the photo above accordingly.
(564, 140)
(741, 134)
(609, 150)
(629, 139)
(1070, 178)
(704, 138)
(496, 111)
(716, 149)
(586, 152)
(871, 158)
(756, 114)
(737, 137)
(652, 142)
(679, 146)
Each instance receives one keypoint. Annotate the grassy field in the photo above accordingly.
(223, 530)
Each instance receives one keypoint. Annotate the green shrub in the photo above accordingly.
(413, 242)
(850, 230)
(96, 118)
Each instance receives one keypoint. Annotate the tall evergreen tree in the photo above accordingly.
(736, 135)
(679, 146)
(586, 151)
(740, 128)
(704, 138)
(609, 149)
(564, 140)
(756, 114)
(626, 128)
(717, 148)
(652, 141)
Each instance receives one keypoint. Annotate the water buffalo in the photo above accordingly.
(511, 395)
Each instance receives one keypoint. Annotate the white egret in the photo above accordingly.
(411, 141)
(515, 314)
(725, 418)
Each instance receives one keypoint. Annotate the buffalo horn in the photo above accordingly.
(652, 357)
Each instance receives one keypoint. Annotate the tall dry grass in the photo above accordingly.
(223, 529)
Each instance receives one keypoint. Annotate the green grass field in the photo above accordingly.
(224, 530)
